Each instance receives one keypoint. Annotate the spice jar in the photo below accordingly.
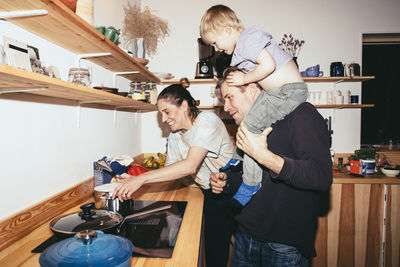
(137, 91)
(79, 76)
(153, 93)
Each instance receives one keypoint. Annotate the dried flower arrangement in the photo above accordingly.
(290, 45)
(140, 23)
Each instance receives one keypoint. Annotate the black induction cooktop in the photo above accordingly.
(152, 235)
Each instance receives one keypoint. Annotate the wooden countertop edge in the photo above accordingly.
(366, 181)
(16, 227)
(344, 178)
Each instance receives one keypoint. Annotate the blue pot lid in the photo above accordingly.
(86, 250)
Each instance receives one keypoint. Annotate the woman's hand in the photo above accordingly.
(251, 143)
(235, 78)
(218, 182)
(129, 184)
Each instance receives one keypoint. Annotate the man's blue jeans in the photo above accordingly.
(248, 252)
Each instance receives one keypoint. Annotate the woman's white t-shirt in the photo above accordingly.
(209, 132)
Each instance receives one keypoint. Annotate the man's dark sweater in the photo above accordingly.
(285, 209)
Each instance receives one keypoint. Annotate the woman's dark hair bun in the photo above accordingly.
(184, 82)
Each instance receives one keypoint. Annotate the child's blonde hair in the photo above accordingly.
(218, 16)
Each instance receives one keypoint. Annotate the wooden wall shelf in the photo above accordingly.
(338, 79)
(18, 79)
(346, 106)
(317, 106)
(306, 79)
(66, 29)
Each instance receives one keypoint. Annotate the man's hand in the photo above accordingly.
(250, 143)
(218, 182)
(235, 78)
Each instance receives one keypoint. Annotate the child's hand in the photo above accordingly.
(217, 181)
(235, 78)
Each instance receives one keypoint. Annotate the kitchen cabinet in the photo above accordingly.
(63, 27)
(359, 223)
(334, 80)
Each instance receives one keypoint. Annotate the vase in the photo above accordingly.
(84, 9)
(295, 61)
(138, 47)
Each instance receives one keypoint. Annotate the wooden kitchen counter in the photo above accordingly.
(186, 251)
(346, 178)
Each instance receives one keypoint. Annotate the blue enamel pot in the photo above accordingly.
(89, 248)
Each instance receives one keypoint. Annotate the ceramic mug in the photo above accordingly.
(112, 34)
(354, 99)
(101, 29)
(314, 71)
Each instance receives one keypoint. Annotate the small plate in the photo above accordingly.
(106, 187)
(164, 75)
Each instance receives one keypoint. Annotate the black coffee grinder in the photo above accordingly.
(204, 68)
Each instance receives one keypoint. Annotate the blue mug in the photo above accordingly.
(314, 71)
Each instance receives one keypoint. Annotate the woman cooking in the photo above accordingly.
(198, 145)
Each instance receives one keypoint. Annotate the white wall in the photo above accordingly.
(332, 31)
(44, 152)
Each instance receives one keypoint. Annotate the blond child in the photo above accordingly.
(259, 57)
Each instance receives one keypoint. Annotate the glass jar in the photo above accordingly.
(137, 91)
(153, 94)
(79, 76)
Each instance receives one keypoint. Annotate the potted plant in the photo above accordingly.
(291, 46)
(363, 161)
(142, 30)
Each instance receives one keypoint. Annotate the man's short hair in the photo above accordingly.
(221, 80)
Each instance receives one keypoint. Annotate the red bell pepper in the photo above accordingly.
(135, 169)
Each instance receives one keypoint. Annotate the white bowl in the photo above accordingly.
(390, 173)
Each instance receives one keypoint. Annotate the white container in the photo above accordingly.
(346, 97)
(368, 166)
(339, 99)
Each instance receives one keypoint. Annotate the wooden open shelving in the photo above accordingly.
(19, 80)
(306, 79)
(317, 106)
(66, 29)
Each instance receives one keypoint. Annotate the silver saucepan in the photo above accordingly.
(103, 199)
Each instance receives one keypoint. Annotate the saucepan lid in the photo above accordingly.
(89, 218)
(88, 248)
